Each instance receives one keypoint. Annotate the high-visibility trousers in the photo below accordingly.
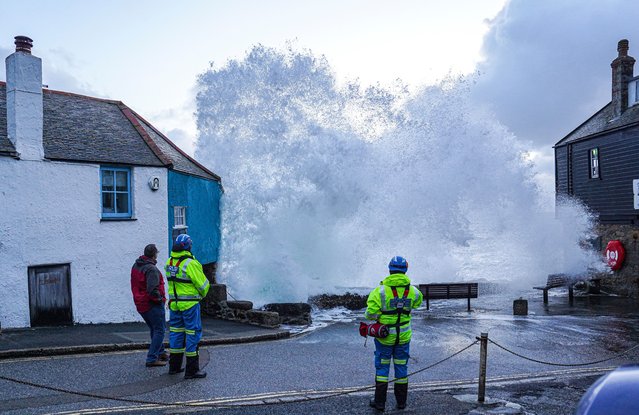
(383, 355)
(185, 331)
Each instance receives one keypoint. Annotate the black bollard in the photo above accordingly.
(520, 307)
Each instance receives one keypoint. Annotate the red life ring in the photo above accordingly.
(615, 254)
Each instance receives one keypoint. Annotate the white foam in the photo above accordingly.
(324, 185)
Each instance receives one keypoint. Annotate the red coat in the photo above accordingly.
(147, 284)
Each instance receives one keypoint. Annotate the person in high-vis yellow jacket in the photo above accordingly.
(187, 286)
(390, 304)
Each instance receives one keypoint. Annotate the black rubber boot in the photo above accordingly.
(379, 402)
(175, 363)
(401, 394)
(193, 368)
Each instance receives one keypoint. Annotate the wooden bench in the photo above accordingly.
(565, 280)
(446, 291)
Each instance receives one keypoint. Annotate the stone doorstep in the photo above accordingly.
(254, 317)
(263, 318)
(288, 309)
(240, 305)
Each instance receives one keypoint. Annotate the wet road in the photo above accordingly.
(333, 359)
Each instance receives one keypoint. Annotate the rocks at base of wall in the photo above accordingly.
(291, 313)
(351, 301)
(216, 305)
(242, 312)
(219, 310)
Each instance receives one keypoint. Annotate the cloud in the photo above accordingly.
(4, 52)
(546, 65)
(182, 139)
(58, 71)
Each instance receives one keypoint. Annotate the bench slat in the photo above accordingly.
(449, 291)
(446, 291)
(564, 280)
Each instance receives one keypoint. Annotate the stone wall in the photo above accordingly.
(217, 305)
(351, 301)
(624, 281)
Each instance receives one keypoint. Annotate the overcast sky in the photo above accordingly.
(544, 65)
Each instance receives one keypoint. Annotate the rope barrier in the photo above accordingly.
(85, 394)
(561, 364)
(229, 404)
(244, 403)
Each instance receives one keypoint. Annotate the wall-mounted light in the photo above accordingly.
(154, 183)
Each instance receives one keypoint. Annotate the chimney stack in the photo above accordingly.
(622, 72)
(24, 100)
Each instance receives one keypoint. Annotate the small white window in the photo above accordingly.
(633, 92)
(179, 217)
(594, 163)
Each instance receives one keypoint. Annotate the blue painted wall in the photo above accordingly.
(202, 200)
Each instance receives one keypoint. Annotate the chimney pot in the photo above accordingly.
(622, 47)
(23, 44)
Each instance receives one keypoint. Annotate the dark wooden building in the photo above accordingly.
(598, 163)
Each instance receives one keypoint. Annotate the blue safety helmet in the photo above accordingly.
(183, 242)
(398, 263)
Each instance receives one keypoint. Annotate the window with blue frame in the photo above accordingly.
(115, 185)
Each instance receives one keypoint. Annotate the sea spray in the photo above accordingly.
(324, 183)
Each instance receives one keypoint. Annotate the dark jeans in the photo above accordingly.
(155, 319)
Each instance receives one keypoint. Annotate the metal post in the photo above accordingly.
(483, 351)
(571, 295)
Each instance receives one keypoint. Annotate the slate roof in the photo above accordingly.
(602, 121)
(87, 129)
(6, 148)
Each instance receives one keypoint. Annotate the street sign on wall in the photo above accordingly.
(635, 190)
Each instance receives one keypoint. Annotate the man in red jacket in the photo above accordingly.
(147, 286)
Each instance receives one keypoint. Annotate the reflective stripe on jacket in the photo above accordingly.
(381, 306)
(187, 284)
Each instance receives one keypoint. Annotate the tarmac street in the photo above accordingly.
(328, 369)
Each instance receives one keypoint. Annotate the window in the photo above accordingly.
(179, 217)
(633, 89)
(116, 192)
(179, 221)
(594, 163)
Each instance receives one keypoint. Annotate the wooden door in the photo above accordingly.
(50, 295)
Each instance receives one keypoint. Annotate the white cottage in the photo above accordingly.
(83, 188)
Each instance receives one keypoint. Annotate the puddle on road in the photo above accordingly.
(491, 406)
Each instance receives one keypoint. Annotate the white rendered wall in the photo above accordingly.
(50, 214)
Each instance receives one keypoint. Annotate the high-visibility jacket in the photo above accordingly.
(187, 284)
(390, 304)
